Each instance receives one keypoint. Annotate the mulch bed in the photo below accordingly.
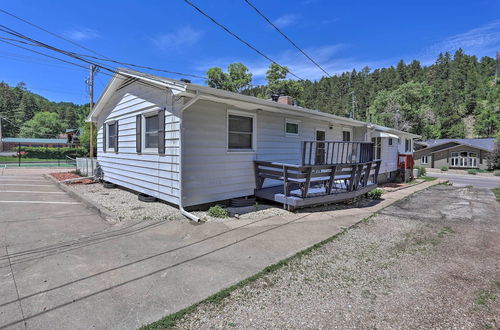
(70, 175)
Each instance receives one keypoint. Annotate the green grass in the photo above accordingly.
(496, 191)
(10, 159)
(427, 178)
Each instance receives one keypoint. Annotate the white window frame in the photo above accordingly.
(295, 122)
(145, 150)
(254, 131)
(426, 161)
(108, 148)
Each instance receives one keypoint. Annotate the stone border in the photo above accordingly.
(106, 215)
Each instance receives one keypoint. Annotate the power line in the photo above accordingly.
(287, 38)
(103, 57)
(51, 33)
(237, 37)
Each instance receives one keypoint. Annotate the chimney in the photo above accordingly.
(285, 99)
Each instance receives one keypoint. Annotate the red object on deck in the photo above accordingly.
(405, 161)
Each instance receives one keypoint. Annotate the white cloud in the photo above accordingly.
(82, 34)
(327, 56)
(183, 37)
(483, 40)
(285, 20)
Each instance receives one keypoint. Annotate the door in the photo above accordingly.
(320, 147)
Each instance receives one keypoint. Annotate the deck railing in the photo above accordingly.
(336, 152)
(333, 179)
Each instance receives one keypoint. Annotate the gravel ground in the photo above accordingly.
(429, 261)
(125, 204)
(126, 207)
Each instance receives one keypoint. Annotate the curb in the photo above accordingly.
(104, 214)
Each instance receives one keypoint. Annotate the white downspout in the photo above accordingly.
(181, 128)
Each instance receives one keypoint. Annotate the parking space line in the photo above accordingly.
(32, 192)
(26, 185)
(39, 202)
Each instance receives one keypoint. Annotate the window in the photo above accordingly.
(424, 160)
(292, 127)
(407, 145)
(346, 136)
(111, 136)
(390, 141)
(377, 147)
(240, 135)
(150, 134)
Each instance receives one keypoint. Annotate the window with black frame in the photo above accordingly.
(111, 136)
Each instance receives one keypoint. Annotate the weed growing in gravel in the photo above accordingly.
(375, 193)
(217, 211)
(485, 297)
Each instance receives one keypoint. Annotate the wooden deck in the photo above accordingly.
(276, 194)
(304, 185)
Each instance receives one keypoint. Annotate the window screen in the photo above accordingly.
(111, 136)
(240, 132)
(151, 132)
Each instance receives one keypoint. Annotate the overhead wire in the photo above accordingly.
(238, 37)
(287, 38)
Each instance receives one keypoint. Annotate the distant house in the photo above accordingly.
(189, 144)
(10, 143)
(453, 153)
(73, 136)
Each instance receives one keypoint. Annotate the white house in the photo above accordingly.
(189, 144)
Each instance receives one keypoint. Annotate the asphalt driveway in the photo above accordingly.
(62, 266)
(461, 180)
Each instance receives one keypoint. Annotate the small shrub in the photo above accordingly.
(496, 173)
(444, 168)
(421, 170)
(472, 171)
(217, 211)
(375, 194)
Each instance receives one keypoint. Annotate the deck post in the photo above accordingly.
(258, 180)
(305, 188)
(332, 180)
(367, 174)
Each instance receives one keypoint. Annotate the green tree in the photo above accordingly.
(235, 80)
(278, 84)
(406, 108)
(43, 125)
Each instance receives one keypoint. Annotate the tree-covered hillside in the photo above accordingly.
(18, 107)
(455, 97)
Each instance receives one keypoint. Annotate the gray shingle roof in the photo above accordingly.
(486, 143)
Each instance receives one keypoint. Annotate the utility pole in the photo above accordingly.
(353, 111)
(497, 68)
(1, 137)
(91, 106)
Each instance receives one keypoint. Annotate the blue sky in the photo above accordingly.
(169, 34)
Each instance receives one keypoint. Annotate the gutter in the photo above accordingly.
(184, 107)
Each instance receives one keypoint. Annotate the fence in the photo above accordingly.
(86, 166)
(56, 157)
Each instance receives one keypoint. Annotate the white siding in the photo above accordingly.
(211, 173)
(151, 174)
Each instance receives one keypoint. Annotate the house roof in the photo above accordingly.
(31, 140)
(487, 144)
(197, 92)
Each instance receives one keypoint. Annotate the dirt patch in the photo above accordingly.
(71, 175)
(421, 263)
